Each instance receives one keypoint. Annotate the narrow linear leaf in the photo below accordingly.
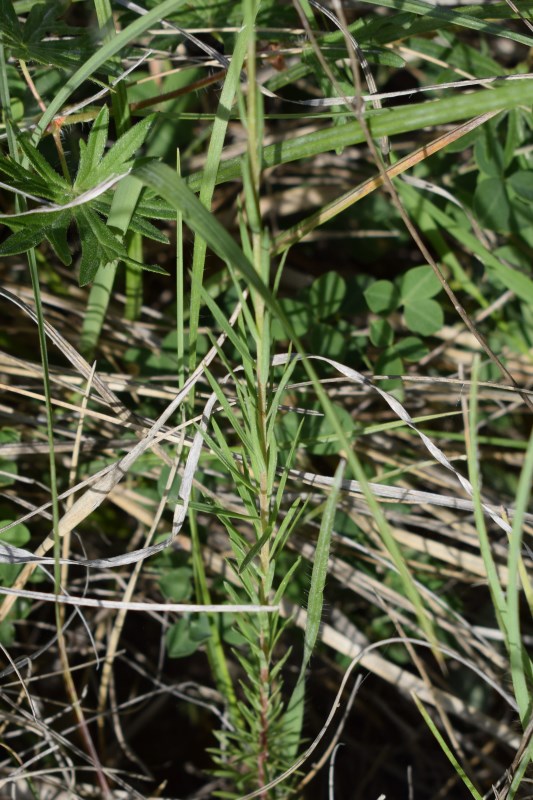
(92, 152)
(447, 16)
(387, 122)
(123, 149)
(254, 550)
(103, 54)
(446, 750)
(174, 190)
(41, 165)
(320, 566)
(21, 241)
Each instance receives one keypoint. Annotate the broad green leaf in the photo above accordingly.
(7, 631)
(18, 536)
(522, 184)
(492, 206)
(145, 228)
(26, 181)
(98, 244)
(410, 349)
(9, 435)
(41, 37)
(154, 207)
(8, 468)
(186, 636)
(425, 317)
(176, 584)
(489, 153)
(419, 283)
(389, 364)
(326, 294)
(328, 340)
(58, 239)
(9, 23)
(299, 315)
(230, 634)
(381, 333)
(100, 247)
(382, 296)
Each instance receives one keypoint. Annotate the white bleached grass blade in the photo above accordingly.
(93, 602)
(95, 495)
(80, 200)
(402, 414)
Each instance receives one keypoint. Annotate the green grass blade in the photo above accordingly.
(180, 290)
(521, 667)
(295, 708)
(238, 343)
(446, 750)
(320, 566)
(5, 102)
(518, 777)
(175, 191)
(119, 97)
(388, 122)
(105, 52)
(209, 174)
(122, 208)
(452, 17)
(215, 650)
(498, 597)
(134, 278)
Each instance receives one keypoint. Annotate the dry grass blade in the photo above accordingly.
(97, 493)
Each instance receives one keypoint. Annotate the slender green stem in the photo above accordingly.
(215, 650)
(180, 290)
(34, 275)
(134, 283)
(119, 96)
